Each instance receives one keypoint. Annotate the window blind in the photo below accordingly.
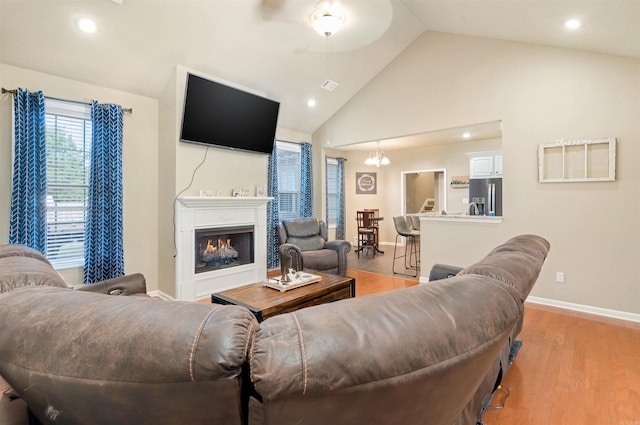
(289, 179)
(332, 190)
(68, 133)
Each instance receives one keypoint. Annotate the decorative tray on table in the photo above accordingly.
(295, 280)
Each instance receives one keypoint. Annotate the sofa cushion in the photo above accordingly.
(310, 243)
(18, 272)
(532, 245)
(302, 227)
(18, 250)
(425, 348)
(85, 358)
(517, 269)
(321, 259)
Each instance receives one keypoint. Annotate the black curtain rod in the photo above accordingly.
(15, 93)
(336, 157)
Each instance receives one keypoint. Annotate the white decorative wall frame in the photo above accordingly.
(587, 160)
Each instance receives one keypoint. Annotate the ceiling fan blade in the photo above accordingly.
(270, 8)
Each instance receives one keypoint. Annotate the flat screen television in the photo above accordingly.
(222, 116)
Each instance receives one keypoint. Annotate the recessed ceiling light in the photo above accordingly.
(573, 24)
(86, 25)
(466, 135)
(311, 103)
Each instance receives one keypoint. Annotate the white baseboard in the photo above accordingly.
(598, 311)
(161, 295)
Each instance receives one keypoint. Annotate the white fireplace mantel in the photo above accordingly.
(193, 212)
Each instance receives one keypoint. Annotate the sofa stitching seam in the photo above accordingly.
(196, 338)
(250, 335)
(304, 355)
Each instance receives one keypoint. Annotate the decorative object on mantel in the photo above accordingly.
(239, 193)
(377, 158)
(582, 160)
(460, 181)
(366, 183)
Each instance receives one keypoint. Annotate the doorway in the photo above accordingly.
(423, 191)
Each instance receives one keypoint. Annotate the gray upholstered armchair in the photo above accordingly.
(304, 244)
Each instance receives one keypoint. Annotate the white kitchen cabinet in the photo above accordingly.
(485, 165)
(497, 165)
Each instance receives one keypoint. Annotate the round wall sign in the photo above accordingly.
(366, 183)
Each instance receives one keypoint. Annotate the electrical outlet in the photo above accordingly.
(560, 277)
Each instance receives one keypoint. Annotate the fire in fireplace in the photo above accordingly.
(220, 248)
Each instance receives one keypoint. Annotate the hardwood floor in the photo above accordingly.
(573, 368)
(372, 283)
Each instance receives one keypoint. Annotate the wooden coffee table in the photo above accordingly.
(265, 302)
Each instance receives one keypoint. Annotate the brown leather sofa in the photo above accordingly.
(304, 244)
(429, 354)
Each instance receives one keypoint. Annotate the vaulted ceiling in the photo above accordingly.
(269, 45)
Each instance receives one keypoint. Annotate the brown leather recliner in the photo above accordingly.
(304, 244)
(22, 266)
(431, 353)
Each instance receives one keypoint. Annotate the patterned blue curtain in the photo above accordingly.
(340, 204)
(28, 221)
(273, 211)
(104, 256)
(306, 181)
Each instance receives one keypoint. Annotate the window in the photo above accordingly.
(68, 133)
(332, 190)
(289, 179)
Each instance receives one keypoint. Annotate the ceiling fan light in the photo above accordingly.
(327, 19)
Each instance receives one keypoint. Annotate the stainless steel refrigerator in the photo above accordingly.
(487, 195)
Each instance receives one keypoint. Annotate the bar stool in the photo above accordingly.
(411, 245)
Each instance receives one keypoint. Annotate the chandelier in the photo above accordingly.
(377, 158)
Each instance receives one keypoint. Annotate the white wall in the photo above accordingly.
(540, 94)
(139, 162)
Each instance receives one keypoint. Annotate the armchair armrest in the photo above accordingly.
(342, 247)
(338, 246)
(290, 257)
(124, 285)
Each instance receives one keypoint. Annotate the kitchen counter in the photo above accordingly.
(459, 217)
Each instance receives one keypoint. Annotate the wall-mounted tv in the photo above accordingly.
(219, 115)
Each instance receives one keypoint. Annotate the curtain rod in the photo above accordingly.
(15, 93)
(337, 157)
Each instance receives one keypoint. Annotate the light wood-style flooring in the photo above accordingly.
(573, 368)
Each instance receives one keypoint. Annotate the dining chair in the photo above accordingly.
(367, 232)
(375, 222)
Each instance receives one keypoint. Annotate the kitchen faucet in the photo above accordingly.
(475, 209)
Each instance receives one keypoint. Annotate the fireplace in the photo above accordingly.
(221, 244)
(221, 248)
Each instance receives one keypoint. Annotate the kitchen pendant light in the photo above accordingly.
(377, 158)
